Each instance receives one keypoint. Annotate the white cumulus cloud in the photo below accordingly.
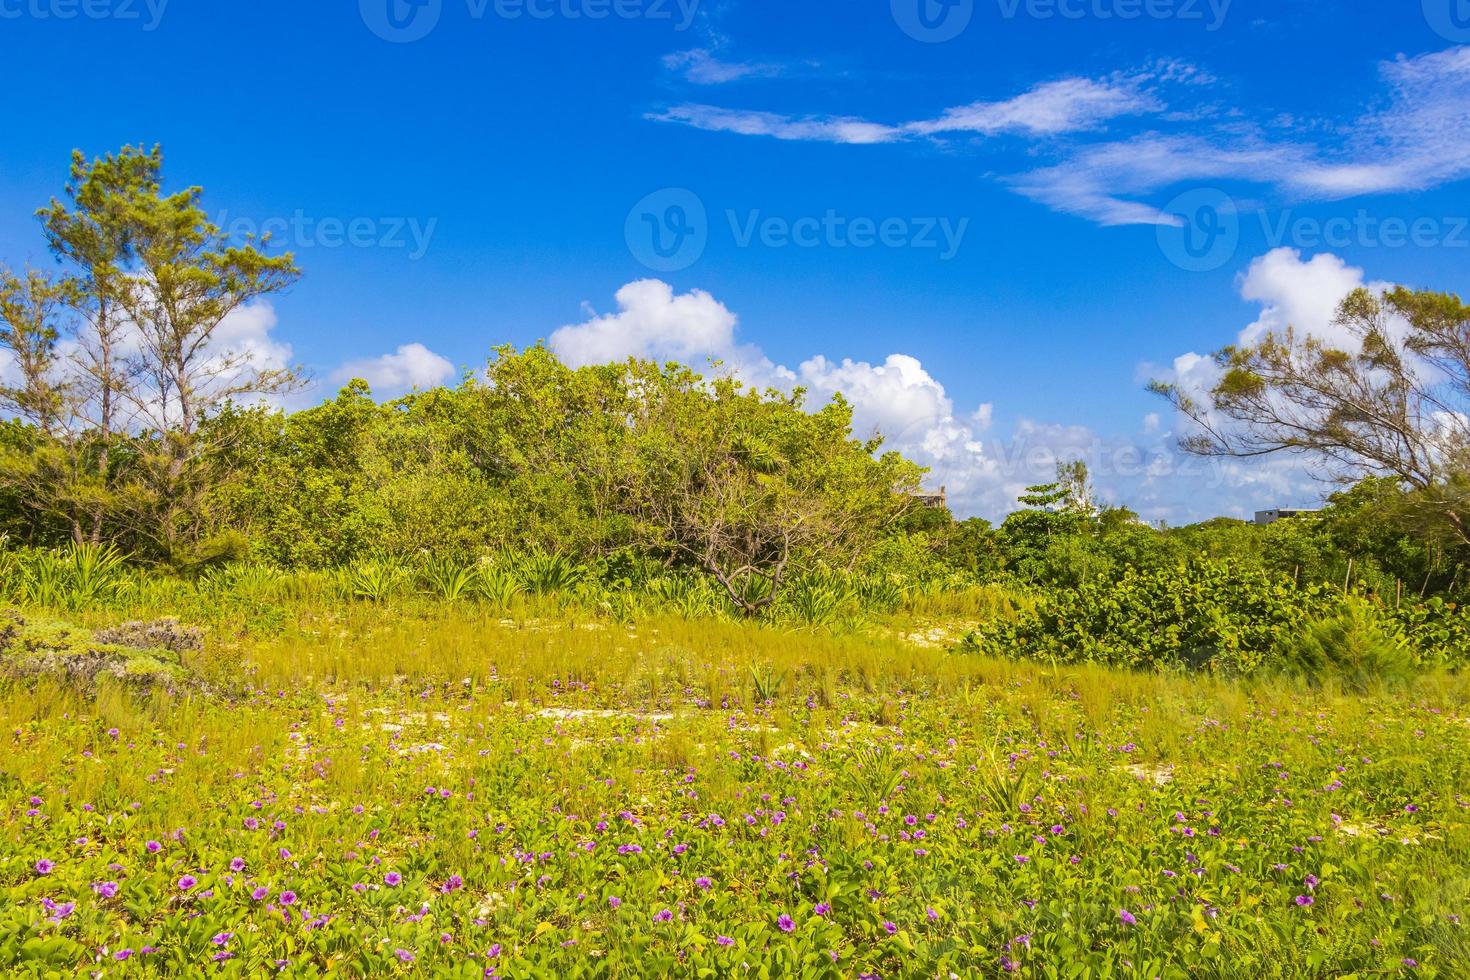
(411, 366)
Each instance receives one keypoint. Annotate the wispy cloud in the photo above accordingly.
(1419, 139)
(1064, 106)
(1097, 181)
(702, 67)
(822, 129)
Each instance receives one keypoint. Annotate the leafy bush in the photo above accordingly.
(1439, 630)
(1202, 614)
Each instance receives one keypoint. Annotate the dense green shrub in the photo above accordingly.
(1439, 630)
(1200, 614)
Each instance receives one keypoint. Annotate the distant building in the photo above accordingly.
(935, 501)
(1265, 518)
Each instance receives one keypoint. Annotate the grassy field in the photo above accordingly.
(440, 791)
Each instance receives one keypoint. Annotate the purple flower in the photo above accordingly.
(785, 923)
(153, 847)
(663, 916)
(614, 901)
(703, 882)
(393, 879)
(260, 893)
(822, 909)
(237, 864)
(404, 956)
(106, 889)
(890, 928)
(288, 898)
(1305, 900)
(454, 884)
(43, 866)
(724, 941)
(122, 954)
(1126, 917)
(187, 882)
(221, 938)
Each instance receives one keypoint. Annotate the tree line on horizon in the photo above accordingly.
(132, 422)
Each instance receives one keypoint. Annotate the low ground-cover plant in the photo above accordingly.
(141, 656)
(457, 797)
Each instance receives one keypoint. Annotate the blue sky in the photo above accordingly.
(973, 222)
